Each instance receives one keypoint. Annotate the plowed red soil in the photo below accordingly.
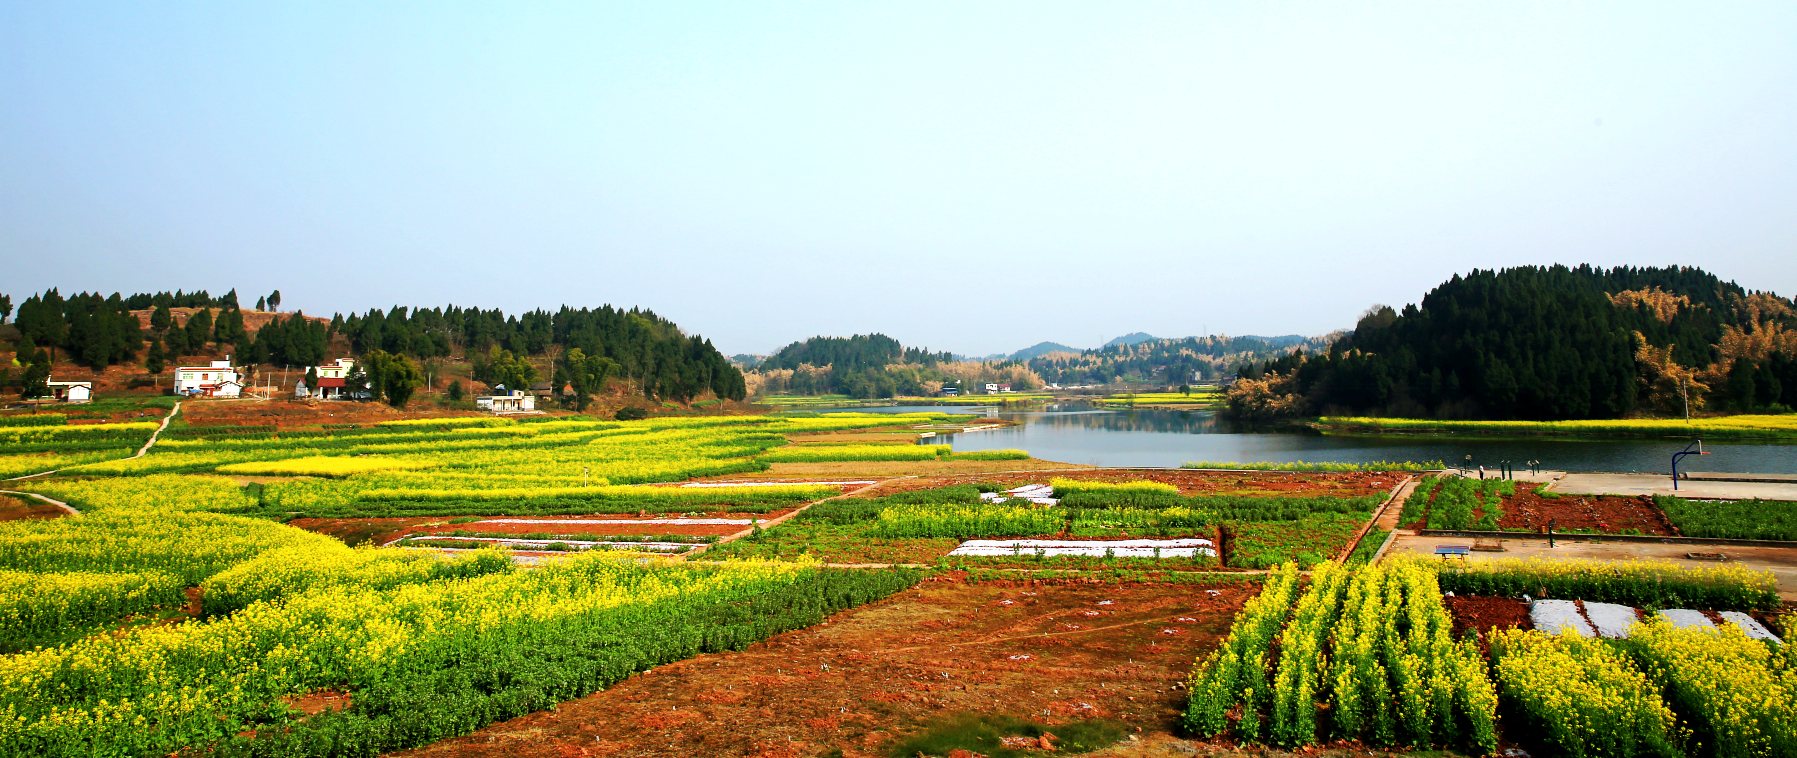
(1052, 651)
(1528, 512)
(1487, 613)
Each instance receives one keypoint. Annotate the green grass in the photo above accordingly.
(1368, 547)
(1738, 519)
(984, 734)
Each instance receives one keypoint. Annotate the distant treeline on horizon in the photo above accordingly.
(97, 331)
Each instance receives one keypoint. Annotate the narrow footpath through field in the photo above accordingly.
(141, 452)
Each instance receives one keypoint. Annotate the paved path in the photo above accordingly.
(1780, 561)
(1661, 484)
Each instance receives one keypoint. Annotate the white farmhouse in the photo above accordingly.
(331, 376)
(504, 401)
(72, 392)
(337, 369)
(219, 379)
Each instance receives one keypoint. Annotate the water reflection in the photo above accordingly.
(1080, 433)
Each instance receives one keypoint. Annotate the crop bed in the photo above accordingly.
(1530, 511)
(1049, 650)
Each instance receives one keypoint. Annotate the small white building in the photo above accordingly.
(219, 379)
(71, 392)
(337, 369)
(331, 384)
(504, 401)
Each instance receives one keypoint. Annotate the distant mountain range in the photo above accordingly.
(1133, 338)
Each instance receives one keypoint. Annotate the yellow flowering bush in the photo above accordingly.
(1737, 694)
(1582, 697)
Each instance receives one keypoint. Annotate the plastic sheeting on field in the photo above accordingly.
(1040, 494)
(1751, 626)
(1172, 548)
(1612, 620)
(1683, 617)
(1553, 616)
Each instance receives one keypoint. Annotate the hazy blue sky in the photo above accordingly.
(965, 176)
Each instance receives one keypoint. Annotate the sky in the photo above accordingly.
(974, 177)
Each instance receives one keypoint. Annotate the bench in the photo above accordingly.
(1460, 550)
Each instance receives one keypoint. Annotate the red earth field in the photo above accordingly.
(1052, 651)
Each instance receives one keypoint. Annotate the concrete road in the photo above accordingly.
(1782, 562)
(1656, 484)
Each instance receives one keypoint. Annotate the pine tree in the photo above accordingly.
(155, 360)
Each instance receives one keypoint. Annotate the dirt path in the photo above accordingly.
(49, 501)
(1386, 517)
(151, 442)
(778, 520)
(141, 452)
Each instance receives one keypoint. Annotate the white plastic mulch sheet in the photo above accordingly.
(1176, 548)
(1552, 616)
(1040, 494)
(776, 484)
(1751, 626)
(625, 521)
(1612, 620)
(1682, 617)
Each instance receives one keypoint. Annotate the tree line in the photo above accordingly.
(875, 366)
(1168, 361)
(587, 345)
(1544, 343)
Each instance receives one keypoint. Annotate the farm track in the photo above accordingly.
(69, 509)
(778, 520)
(141, 452)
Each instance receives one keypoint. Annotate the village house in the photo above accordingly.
(506, 401)
(71, 392)
(332, 380)
(219, 379)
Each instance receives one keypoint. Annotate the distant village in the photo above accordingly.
(332, 381)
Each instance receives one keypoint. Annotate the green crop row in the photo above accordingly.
(1738, 519)
(1366, 656)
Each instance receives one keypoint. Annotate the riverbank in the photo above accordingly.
(1745, 427)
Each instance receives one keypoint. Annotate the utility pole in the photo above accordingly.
(1684, 396)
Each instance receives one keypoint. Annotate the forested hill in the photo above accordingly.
(862, 351)
(156, 329)
(875, 365)
(1169, 361)
(1548, 343)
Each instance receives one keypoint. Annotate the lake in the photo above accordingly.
(1080, 433)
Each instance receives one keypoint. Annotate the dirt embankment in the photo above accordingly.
(1050, 651)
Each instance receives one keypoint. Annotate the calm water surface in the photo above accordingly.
(1149, 437)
